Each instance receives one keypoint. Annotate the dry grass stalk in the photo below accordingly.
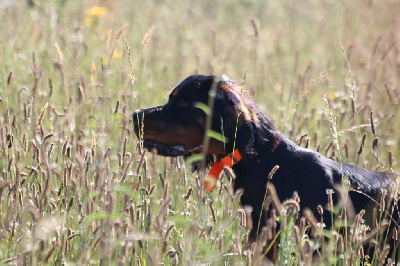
(147, 36)
(168, 232)
(212, 212)
(301, 139)
(372, 122)
(305, 93)
(375, 143)
(128, 49)
(254, 23)
(249, 221)
(275, 200)
(189, 193)
(142, 159)
(242, 216)
(38, 76)
(123, 176)
(162, 214)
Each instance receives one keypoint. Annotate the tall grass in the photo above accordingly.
(75, 185)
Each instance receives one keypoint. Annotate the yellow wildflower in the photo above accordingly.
(94, 13)
(117, 53)
(88, 21)
(97, 11)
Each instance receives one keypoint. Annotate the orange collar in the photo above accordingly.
(230, 160)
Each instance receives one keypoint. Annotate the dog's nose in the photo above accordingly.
(137, 116)
(137, 121)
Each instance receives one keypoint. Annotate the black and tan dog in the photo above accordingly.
(178, 128)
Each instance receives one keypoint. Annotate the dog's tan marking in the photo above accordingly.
(234, 92)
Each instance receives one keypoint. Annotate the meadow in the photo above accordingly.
(75, 186)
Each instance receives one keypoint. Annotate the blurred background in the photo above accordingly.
(279, 46)
(326, 72)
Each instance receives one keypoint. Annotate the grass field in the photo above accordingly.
(76, 189)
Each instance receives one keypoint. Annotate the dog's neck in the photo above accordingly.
(276, 152)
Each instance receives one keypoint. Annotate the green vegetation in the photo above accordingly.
(75, 187)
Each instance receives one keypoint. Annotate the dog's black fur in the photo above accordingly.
(177, 128)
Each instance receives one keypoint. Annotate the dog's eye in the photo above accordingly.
(183, 104)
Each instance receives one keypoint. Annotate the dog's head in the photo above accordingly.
(179, 126)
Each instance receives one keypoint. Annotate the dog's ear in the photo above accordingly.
(225, 91)
(223, 81)
(229, 91)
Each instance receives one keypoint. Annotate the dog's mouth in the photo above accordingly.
(163, 149)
